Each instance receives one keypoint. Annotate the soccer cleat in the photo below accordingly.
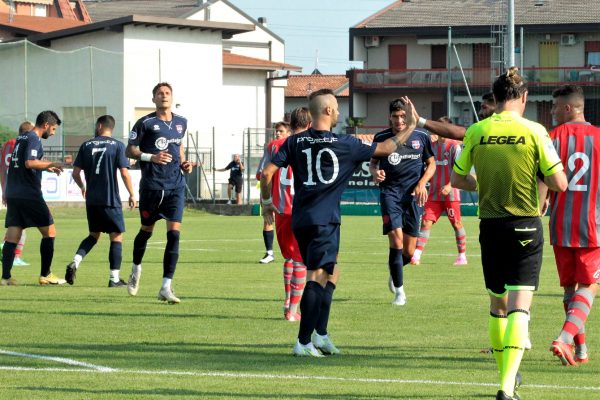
(19, 262)
(166, 294)
(324, 344)
(228, 201)
(399, 299)
(460, 261)
(133, 284)
(415, 261)
(292, 317)
(267, 259)
(391, 285)
(501, 395)
(306, 350)
(120, 283)
(71, 273)
(581, 358)
(51, 279)
(564, 352)
(8, 282)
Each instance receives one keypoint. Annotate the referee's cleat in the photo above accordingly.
(306, 350)
(564, 352)
(51, 279)
(267, 259)
(166, 294)
(71, 273)
(19, 262)
(501, 395)
(119, 283)
(8, 282)
(324, 344)
(133, 284)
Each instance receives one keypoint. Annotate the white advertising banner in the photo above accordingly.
(63, 188)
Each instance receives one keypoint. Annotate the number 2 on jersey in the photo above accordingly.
(585, 166)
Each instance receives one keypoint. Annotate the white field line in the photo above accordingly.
(61, 360)
(235, 375)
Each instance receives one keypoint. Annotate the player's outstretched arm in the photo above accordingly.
(44, 165)
(444, 129)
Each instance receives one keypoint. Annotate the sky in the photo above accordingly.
(314, 27)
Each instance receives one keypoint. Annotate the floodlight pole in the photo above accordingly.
(510, 33)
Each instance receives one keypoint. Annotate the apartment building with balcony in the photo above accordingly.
(405, 51)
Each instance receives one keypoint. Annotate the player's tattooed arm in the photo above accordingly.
(162, 157)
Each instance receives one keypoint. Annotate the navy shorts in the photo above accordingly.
(400, 211)
(26, 213)
(511, 253)
(237, 184)
(105, 219)
(319, 246)
(161, 204)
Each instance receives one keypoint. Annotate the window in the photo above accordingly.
(592, 53)
(40, 10)
(438, 56)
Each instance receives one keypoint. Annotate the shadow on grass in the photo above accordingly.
(205, 394)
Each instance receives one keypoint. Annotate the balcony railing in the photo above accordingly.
(476, 77)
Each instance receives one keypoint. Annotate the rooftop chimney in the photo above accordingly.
(262, 21)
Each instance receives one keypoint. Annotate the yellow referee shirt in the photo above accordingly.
(507, 150)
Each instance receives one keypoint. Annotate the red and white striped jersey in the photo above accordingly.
(7, 150)
(574, 214)
(445, 154)
(282, 184)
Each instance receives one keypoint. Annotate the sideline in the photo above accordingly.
(290, 377)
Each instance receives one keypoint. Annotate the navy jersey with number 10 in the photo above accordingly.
(153, 135)
(322, 162)
(100, 158)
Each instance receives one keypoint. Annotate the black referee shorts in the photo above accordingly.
(511, 253)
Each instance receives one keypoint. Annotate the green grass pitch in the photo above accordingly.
(228, 340)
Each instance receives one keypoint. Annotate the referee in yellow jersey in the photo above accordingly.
(508, 151)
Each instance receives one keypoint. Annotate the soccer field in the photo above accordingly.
(228, 339)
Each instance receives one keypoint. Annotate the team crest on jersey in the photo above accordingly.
(415, 144)
(161, 143)
(394, 159)
(132, 135)
(179, 128)
(156, 128)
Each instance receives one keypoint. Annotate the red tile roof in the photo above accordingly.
(25, 24)
(303, 85)
(231, 60)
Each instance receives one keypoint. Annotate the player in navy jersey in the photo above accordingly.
(100, 158)
(322, 162)
(24, 200)
(402, 177)
(156, 140)
(236, 180)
